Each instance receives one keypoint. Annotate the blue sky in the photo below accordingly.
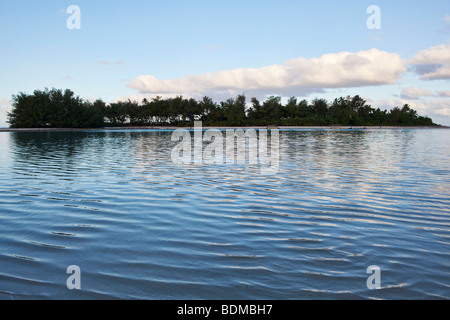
(135, 49)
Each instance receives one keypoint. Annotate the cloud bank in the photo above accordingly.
(444, 94)
(433, 63)
(415, 93)
(298, 76)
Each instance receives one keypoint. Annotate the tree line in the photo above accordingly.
(62, 109)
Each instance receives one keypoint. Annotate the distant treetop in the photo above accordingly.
(62, 109)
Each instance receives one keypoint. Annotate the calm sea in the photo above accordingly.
(140, 226)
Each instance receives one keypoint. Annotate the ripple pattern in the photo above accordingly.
(141, 227)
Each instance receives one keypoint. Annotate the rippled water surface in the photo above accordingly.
(141, 227)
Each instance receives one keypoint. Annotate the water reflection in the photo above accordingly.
(140, 226)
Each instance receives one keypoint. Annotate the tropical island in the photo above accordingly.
(58, 108)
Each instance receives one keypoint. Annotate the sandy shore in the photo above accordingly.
(222, 128)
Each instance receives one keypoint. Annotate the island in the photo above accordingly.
(57, 108)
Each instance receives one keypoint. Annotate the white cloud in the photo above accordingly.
(415, 93)
(441, 73)
(444, 94)
(5, 107)
(435, 55)
(433, 63)
(434, 109)
(295, 77)
(447, 18)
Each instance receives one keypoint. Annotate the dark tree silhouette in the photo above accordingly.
(62, 109)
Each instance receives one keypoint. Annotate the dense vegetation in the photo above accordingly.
(62, 109)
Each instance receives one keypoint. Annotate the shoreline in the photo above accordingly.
(159, 128)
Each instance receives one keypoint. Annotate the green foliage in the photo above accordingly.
(62, 109)
(55, 109)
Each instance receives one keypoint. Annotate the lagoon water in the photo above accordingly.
(141, 227)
